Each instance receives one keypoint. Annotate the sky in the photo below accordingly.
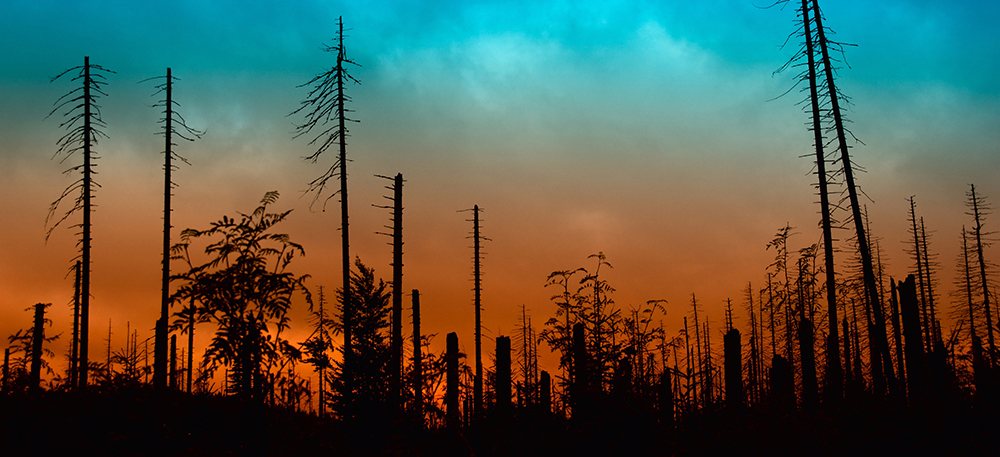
(654, 132)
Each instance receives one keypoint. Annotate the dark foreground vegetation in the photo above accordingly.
(142, 422)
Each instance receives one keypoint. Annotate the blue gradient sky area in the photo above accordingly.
(646, 130)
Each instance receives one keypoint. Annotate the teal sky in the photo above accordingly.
(640, 129)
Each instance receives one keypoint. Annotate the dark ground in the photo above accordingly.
(140, 423)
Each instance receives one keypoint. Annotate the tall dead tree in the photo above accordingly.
(174, 125)
(82, 120)
(396, 340)
(834, 376)
(847, 167)
(935, 326)
(477, 238)
(325, 102)
(980, 210)
(921, 283)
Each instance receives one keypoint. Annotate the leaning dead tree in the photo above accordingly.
(82, 120)
(979, 210)
(325, 104)
(174, 126)
(834, 377)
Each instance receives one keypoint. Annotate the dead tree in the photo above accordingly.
(326, 101)
(979, 212)
(734, 367)
(477, 238)
(545, 392)
(451, 392)
(396, 340)
(173, 126)
(897, 335)
(834, 376)
(935, 326)
(418, 361)
(503, 375)
(916, 378)
(74, 359)
(37, 338)
(84, 127)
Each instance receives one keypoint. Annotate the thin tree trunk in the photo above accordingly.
(451, 392)
(418, 361)
(84, 363)
(348, 310)
(74, 361)
(37, 338)
(897, 336)
(834, 377)
(477, 401)
(190, 370)
(867, 267)
(982, 272)
(160, 344)
(925, 319)
(935, 327)
(396, 377)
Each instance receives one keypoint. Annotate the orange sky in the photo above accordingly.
(633, 133)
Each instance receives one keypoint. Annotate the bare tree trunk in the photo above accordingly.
(37, 338)
(396, 376)
(916, 375)
(418, 360)
(173, 362)
(810, 387)
(160, 343)
(74, 361)
(451, 392)
(545, 392)
(348, 317)
(582, 379)
(84, 362)
(992, 348)
(734, 369)
(867, 267)
(190, 370)
(503, 376)
(6, 370)
(834, 378)
(477, 401)
(935, 328)
(897, 336)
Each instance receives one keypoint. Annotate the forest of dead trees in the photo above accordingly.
(811, 333)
